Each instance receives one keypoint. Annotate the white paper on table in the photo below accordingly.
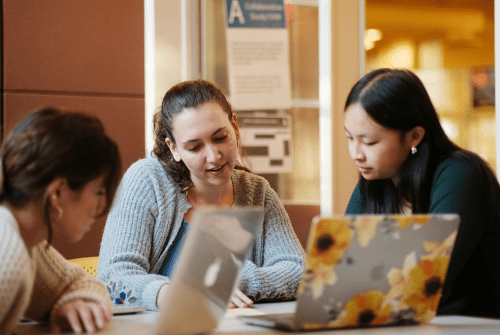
(234, 312)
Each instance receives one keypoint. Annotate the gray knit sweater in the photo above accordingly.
(147, 214)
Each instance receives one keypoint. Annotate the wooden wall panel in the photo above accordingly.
(122, 117)
(301, 217)
(83, 55)
(93, 46)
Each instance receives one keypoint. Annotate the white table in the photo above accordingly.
(141, 323)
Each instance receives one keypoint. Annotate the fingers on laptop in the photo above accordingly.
(239, 300)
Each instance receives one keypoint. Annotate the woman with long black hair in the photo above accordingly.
(408, 165)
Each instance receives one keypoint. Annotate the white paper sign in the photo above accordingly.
(257, 53)
(267, 141)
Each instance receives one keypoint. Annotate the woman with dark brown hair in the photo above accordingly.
(197, 164)
(59, 172)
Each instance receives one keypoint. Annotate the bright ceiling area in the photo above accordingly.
(449, 44)
(464, 28)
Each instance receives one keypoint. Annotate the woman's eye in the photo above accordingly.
(193, 149)
(370, 143)
(101, 192)
(220, 139)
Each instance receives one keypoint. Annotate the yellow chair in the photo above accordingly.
(89, 264)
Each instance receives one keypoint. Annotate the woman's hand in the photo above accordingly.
(80, 315)
(162, 293)
(239, 300)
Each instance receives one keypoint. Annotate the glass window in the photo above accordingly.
(301, 184)
(450, 46)
(304, 57)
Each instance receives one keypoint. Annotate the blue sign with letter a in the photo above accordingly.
(255, 14)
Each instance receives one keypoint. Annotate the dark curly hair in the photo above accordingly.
(187, 94)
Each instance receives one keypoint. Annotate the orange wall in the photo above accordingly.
(79, 55)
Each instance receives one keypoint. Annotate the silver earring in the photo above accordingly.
(413, 150)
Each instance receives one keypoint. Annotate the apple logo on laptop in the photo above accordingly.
(212, 272)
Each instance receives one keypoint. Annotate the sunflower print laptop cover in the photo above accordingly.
(370, 270)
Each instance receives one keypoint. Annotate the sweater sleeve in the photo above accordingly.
(58, 281)
(277, 275)
(125, 260)
(16, 276)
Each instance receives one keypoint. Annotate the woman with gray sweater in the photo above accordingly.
(197, 146)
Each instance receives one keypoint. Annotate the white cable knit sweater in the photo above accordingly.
(146, 216)
(33, 286)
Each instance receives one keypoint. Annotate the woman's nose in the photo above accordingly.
(356, 152)
(213, 153)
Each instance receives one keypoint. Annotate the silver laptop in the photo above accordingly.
(370, 270)
(208, 270)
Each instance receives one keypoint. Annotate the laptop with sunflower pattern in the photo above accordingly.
(371, 270)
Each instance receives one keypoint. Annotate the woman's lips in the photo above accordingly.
(217, 169)
(363, 169)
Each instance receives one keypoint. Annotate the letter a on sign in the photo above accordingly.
(235, 12)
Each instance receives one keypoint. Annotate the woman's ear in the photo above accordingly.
(234, 123)
(416, 135)
(56, 189)
(173, 149)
